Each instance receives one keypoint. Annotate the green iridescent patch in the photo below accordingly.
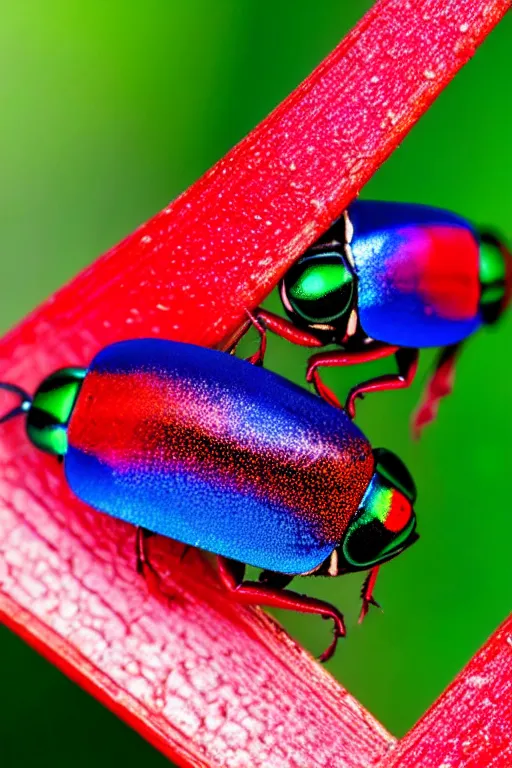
(52, 440)
(318, 280)
(320, 287)
(51, 410)
(492, 273)
(57, 402)
(368, 541)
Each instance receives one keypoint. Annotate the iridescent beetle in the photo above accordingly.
(390, 279)
(202, 447)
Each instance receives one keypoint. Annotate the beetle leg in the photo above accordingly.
(340, 359)
(264, 321)
(254, 593)
(407, 361)
(144, 566)
(367, 593)
(276, 580)
(259, 356)
(143, 561)
(438, 386)
(287, 330)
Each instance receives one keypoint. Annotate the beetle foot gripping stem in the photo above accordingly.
(258, 358)
(143, 563)
(265, 321)
(271, 594)
(146, 569)
(438, 386)
(338, 631)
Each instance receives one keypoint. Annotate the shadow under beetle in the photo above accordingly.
(390, 279)
(200, 446)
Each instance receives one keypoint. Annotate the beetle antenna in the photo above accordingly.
(26, 401)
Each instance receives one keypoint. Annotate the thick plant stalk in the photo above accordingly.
(470, 726)
(206, 681)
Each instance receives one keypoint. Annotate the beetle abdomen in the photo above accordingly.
(418, 274)
(205, 448)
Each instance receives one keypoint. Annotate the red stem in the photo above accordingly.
(470, 726)
(207, 682)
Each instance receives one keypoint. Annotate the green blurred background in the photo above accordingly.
(109, 110)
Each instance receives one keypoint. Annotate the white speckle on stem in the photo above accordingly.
(478, 681)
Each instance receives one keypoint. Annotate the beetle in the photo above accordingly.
(200, 446)
(391, 279)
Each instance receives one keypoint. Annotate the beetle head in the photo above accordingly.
(51, 409)
(385, 523)
(319, 291)
(495, 277)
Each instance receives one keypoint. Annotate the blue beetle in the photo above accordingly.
(391, 279)
(203, 447)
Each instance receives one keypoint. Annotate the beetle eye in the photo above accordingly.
(320, 287)
(386, 523)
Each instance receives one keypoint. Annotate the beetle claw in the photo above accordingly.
(338, 631)
(366, 606)
(331, 648)
(325, 393)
